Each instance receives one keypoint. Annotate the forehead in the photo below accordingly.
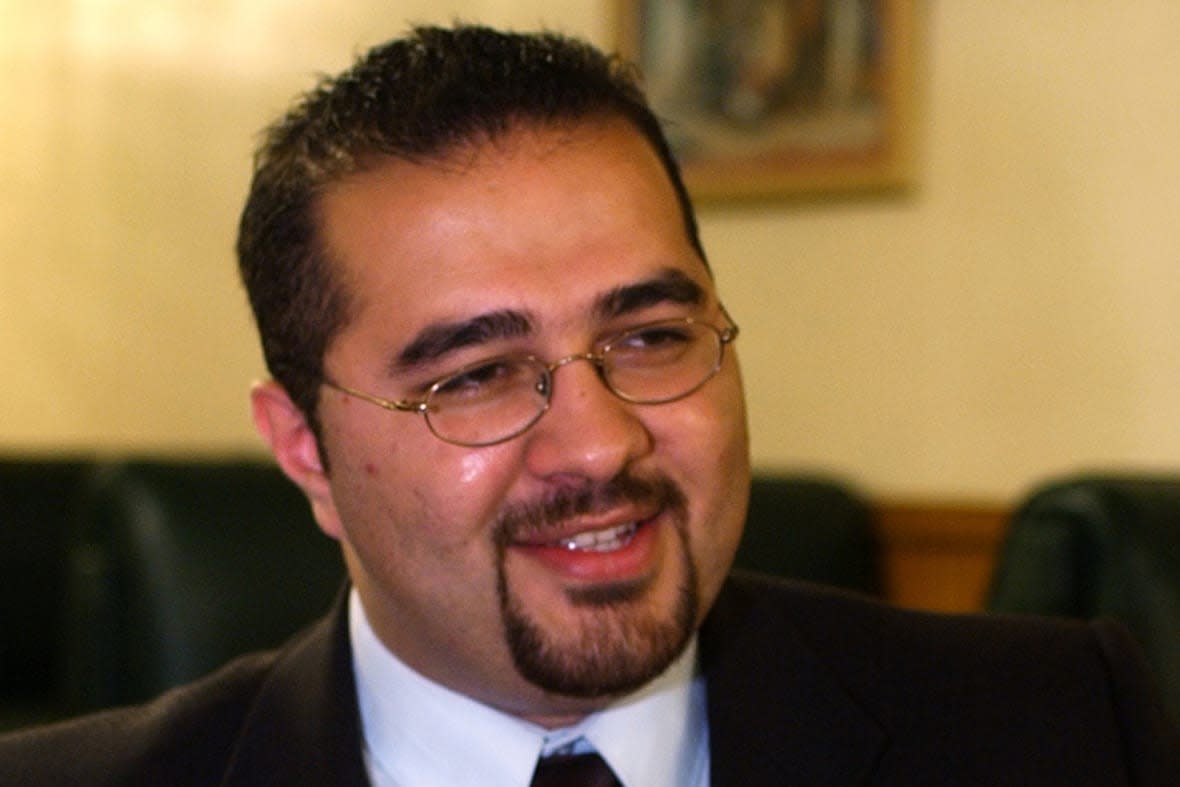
(540, 220)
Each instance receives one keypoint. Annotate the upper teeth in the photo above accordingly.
(601, 540)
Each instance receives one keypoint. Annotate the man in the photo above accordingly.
(506, 383)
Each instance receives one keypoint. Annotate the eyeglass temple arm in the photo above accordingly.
(404, 406)
(731, 332)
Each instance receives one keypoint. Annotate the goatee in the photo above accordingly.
(617, 640)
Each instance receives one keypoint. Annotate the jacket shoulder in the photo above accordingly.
(856, 631)
(183, 737)
(983, 689)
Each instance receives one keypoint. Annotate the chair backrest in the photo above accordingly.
(1101, 545)
(184, 565)
(38, 505)
(812, 528)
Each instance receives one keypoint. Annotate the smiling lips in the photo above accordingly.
(607, 540)
(620, 552)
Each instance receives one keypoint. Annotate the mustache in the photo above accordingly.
(532, 519)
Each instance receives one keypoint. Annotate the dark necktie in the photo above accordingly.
(574, 770)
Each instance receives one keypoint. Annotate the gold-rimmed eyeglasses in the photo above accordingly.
(496, 399)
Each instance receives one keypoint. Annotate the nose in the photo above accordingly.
(588, 432)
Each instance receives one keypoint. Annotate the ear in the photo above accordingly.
(284, 428)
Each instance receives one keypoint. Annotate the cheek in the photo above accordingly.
(707, 450)
(475, 466)
(707, 432)
(408, 491)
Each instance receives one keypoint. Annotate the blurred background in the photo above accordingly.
(1011, 317)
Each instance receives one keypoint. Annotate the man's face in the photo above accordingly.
(474, 564)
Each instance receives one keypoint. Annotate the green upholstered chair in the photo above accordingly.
(812, 528)
(1101, 545)
(183, 565)
(38, 506)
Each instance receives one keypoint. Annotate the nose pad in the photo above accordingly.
(596, 361)
(547, 384)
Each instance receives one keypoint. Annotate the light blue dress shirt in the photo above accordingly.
(418, 733)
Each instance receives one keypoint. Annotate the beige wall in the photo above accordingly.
(1015, 316)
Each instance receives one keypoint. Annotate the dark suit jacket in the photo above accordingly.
(805, 686)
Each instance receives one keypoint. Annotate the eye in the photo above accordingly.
(653, 342)
(484, 380)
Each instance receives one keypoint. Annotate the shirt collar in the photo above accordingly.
(418, 732)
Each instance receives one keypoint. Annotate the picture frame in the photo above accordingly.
(779, 98)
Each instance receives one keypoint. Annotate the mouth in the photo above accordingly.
(623, 551)
(605, 540)
(611, 534)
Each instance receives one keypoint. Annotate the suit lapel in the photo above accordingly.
(777, 714)
(304, 726)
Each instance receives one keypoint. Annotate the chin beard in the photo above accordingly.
(612, 647)
(615, 641)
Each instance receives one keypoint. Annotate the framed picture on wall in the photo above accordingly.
(766, 98)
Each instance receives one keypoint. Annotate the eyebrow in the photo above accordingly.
(671, 285)
(437, 340)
